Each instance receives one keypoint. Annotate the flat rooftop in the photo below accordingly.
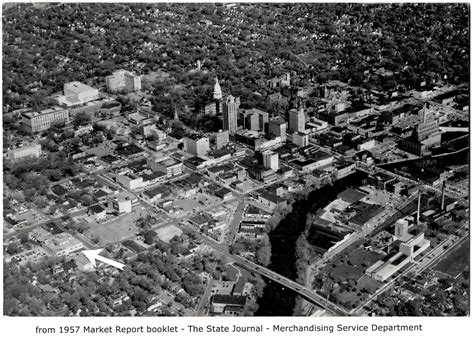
(448, 95)
(168, 162)
(303, 163)
(138, 116)
(351, 195)
(78, 87)
(43, 112)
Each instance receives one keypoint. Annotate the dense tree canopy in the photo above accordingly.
(43, 48)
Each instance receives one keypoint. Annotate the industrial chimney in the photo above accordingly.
(442, 195)
(418, 209)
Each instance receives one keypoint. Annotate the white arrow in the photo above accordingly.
(92, 255)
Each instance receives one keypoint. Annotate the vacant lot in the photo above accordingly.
(167, 233)
(196, 201)
(114, 230)
(100, 151)
(186, 204)
(456, 261)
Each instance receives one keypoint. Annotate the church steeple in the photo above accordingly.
(176, 117)
(217, 90)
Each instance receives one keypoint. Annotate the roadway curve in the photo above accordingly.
(301, 290)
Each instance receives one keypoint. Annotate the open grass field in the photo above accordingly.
(353, 296)
(456, 261)
(343, 272)
(353, 264)
(366, 282)
(347, 272)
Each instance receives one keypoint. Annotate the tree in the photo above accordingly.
(264, 254)
(81, 119)
(192, 284)
(176, 245)
(13, 249)
(87, 200)
(149, 238)
(23, 237)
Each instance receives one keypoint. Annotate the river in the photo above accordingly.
(278, 300)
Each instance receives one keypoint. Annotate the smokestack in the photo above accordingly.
(418, 210)
(442, 195)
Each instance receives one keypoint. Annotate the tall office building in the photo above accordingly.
(196, 145)
(254, 119)
(270, 160)
(231, 107)
(300, 139)
(428, 131)
(424, 137)
(251, 122)
(297, 120)
(277, 128)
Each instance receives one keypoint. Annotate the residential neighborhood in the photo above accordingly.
(223, 173)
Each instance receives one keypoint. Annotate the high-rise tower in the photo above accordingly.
(297, 120)
(231, 107)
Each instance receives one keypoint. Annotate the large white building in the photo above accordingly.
(166, 165)
(123, 80)
(77, 94)
(43, 120)
(129, 180)
(62, 244)
(300, 139)
(123, 202)
(391, 264)
(401, 229)
(29, 151)
(270, 160)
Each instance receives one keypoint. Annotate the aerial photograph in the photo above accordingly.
(236, 159)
